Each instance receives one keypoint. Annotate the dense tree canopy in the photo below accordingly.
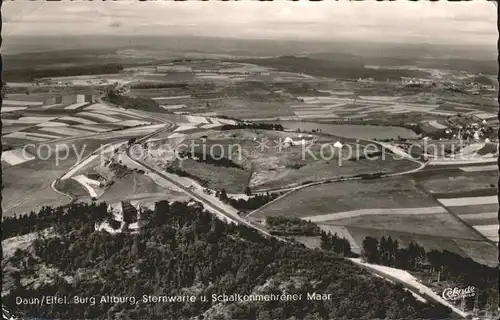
(184, 250)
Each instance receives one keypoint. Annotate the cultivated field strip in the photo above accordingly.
(108, 112)
(66, 131)
(91, 128)
(197, 119)
(172, 97)
(485, 115)
(488, 230)
(52, 124)
(97, 106)
(21, 103)
(78, 120)
(134, 123)
(11, 109)
(16, 156)
(479, 212)
(42, 135)
(366, 212)
(52, 106)
(24, 136)
(492, 207)
(470, 201)
(34, 120)
(185, 127)
(482, 215)
(210, 126)
(492, 167)
(75, 106)
(100, 117)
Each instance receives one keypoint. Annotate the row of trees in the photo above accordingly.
(451, 266)
(126, 102)
(182, 248)
(285, 226)
(251, 125)
(252, 203)
(49, 217)
(31, 74)
(335, 243)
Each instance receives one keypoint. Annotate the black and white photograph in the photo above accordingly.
(249, 160)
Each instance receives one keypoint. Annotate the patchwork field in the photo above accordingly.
(27, 185)
(71, 116)
(470, 193)
(395, 207)
(348, 105)
(458, 180)
(479, 212)
(387, 193)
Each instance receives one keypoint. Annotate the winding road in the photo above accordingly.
(231, 216)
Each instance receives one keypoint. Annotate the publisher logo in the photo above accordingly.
(453, 294)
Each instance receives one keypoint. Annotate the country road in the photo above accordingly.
(233, 217)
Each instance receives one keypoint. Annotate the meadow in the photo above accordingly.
(397, 192)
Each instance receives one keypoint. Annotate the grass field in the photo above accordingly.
(443, 182)
(73, 116)
(233, 180)
(27, 185)
(398, 192)
(73, 188)
(423, 224)
(393, 207)
(141, 188)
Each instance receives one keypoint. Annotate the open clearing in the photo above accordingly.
(88, 184)
(423, 224)
(17, 156)
(397, 192)
(453, 182)
(377, 212)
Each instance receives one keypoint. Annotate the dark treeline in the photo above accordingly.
(288, 226)
(183, 173)
(159, 85)
(182, 248)
(332, 242)
(334, 66)
(49, 217)
(33, 74)
(451, 266)
(140, 103)
(252, 203)
(370, 176)
(262, 126)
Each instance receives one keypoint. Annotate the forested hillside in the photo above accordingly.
(185, 251)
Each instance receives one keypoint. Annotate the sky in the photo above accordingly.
(442, 22)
